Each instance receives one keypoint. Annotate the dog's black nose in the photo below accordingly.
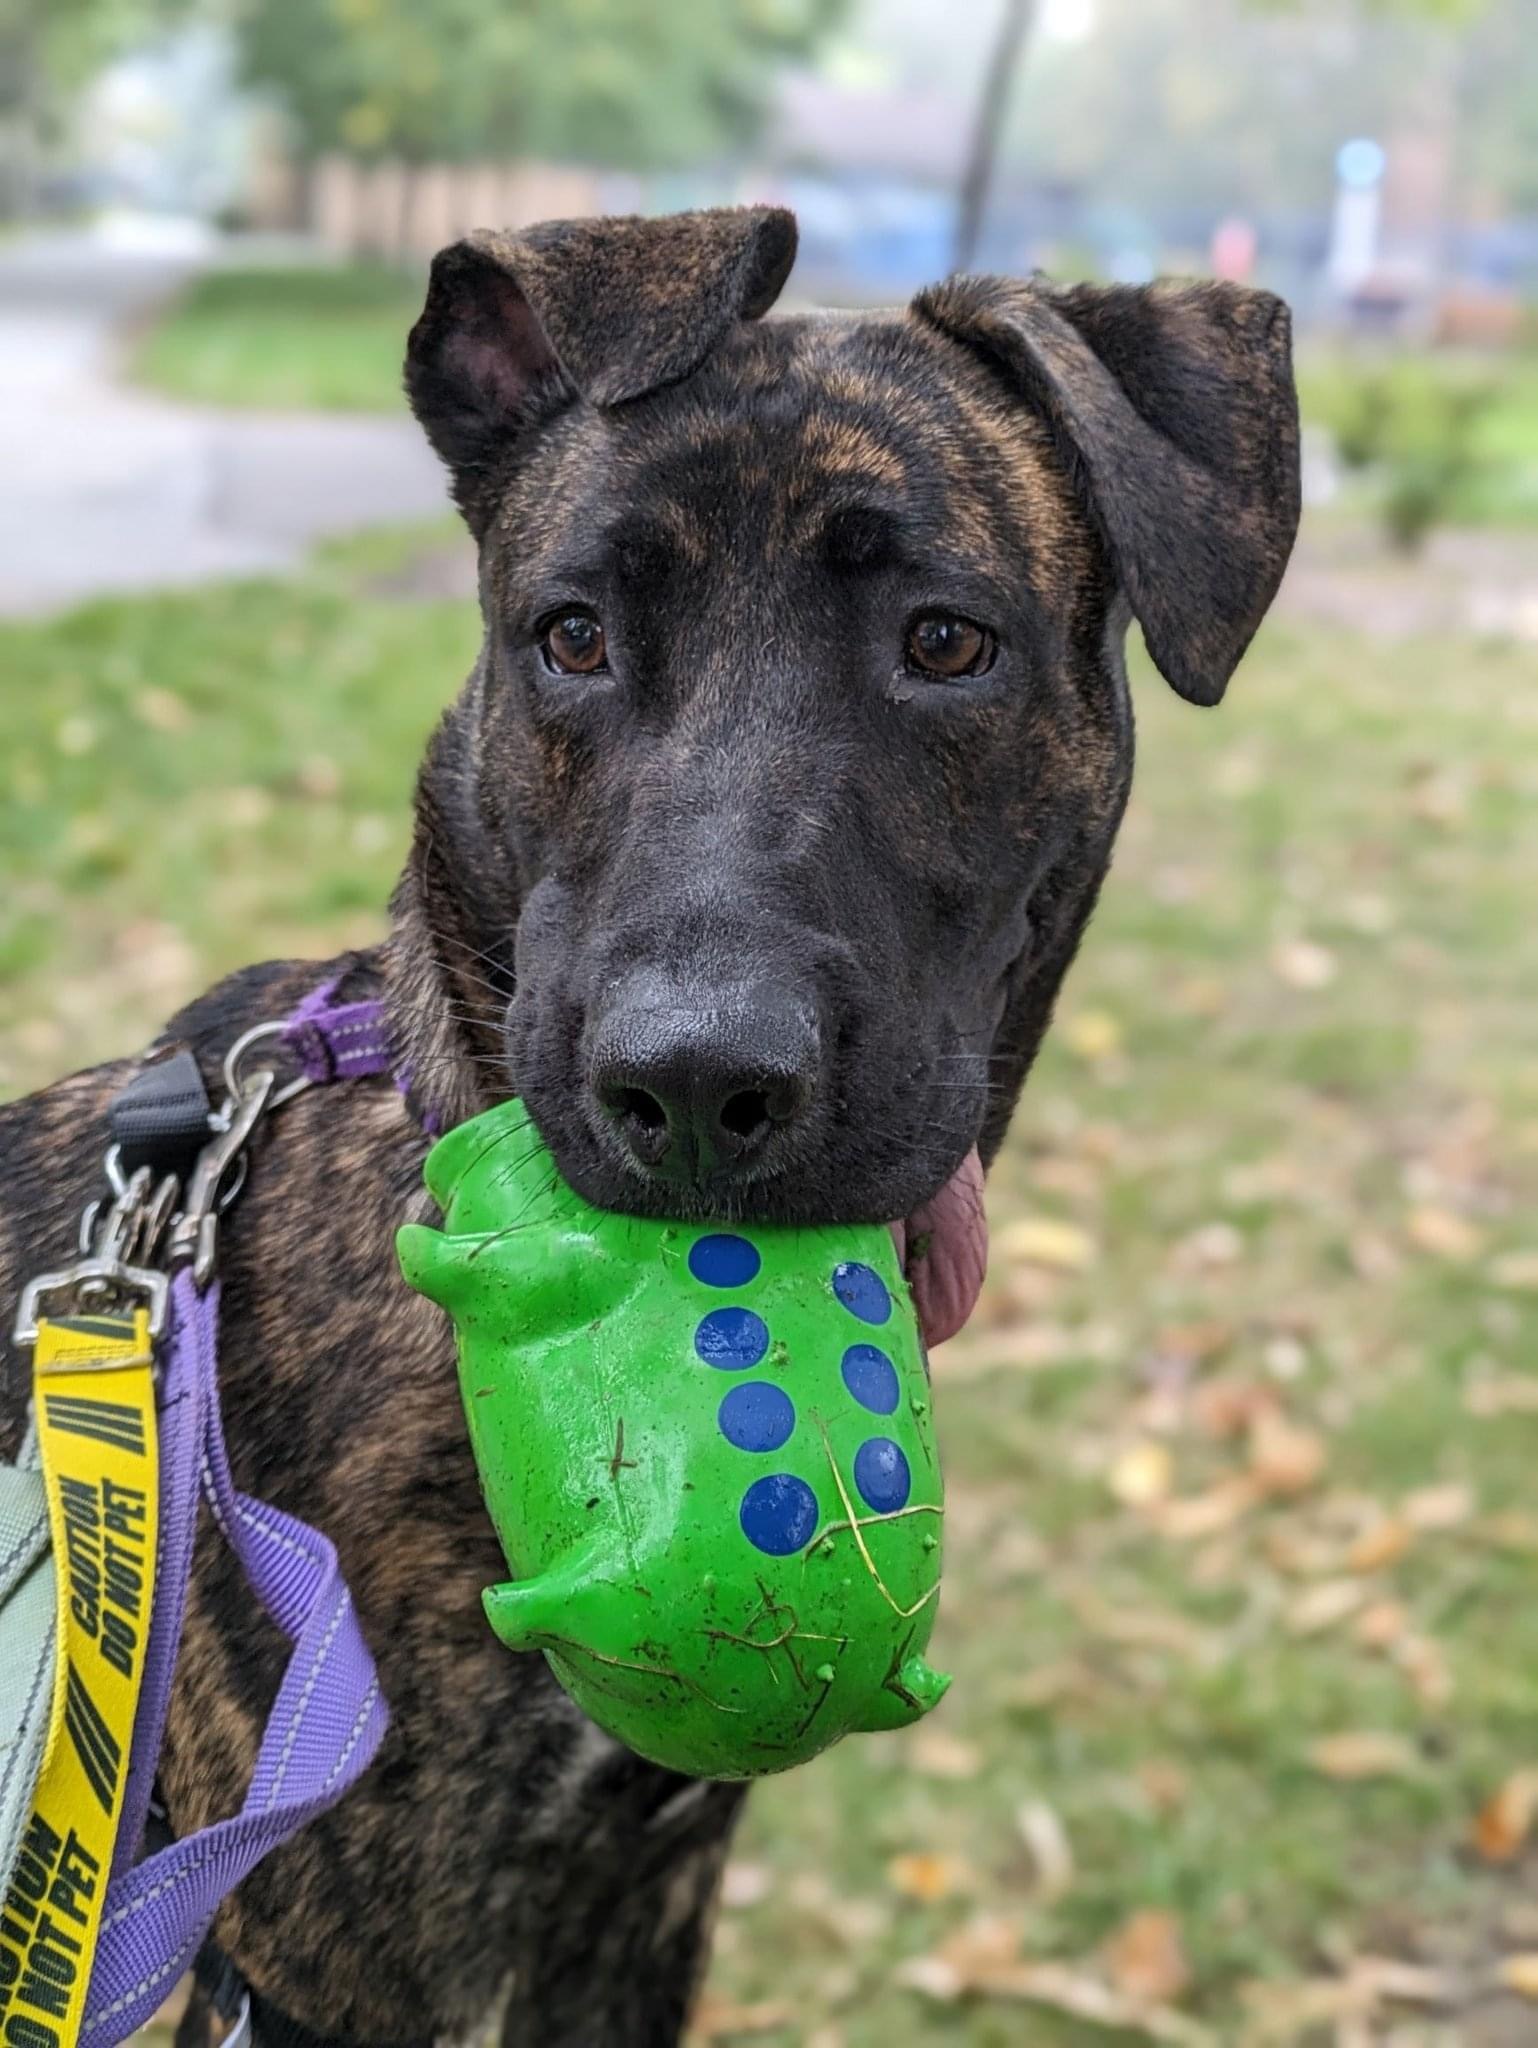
(697, 1086)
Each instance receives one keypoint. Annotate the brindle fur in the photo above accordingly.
(756, 507)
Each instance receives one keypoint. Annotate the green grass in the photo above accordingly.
(1255, 1146)
(306, 337)
(190, 782)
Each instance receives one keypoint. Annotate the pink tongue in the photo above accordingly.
(944, 1249)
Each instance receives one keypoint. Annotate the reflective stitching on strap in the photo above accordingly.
(356, 1734)
(146, 1984)
(323, 1651)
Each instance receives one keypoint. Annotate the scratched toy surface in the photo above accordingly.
(708, 1452)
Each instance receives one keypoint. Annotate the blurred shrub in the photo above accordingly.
(1424, 475)
(1412, 428)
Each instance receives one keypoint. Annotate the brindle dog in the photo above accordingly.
(753, 854)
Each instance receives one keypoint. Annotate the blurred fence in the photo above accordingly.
(398, 211)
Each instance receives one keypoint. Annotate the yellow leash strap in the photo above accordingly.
(94, 1399)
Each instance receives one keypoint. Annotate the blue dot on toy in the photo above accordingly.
(862, 1291)
(757, 1416)
(731, 1339)
(779, 1514)
(882, 1475)
(724, 1260)
(871, 1377)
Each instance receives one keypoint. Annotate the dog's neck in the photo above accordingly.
(447, 995)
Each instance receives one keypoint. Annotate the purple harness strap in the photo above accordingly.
(329, 1716)
(338, 1041)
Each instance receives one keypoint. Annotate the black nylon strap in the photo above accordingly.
(269, 2027)
(160, 1118)
(272, 2029)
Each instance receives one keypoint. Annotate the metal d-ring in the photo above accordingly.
(259, 1034)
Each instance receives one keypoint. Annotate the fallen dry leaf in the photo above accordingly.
(1026, 1347)
(1325, 1605)
(1194, 1343)
(1164, 1783)
(1227, 1408)
(965, 1960)
(1145, 1958)
(1092, 1034)
(1050, 1684)
(1301, 1551)
(718, 2019)
(1051, 1854)
(1504, 1394)
(1432, 1509)
(1208, 1248)
(1373, 1256)
(1282, 2015)
(1504, 1822)
(1380, 1544)
(938, 1754)
(858, 1923)
(928, 1877)
(1285, 1459)
(981, 1945)
(1427, 1669)
(162, 710)
(1443, 1233)
(1519, 1923)
(1203, 995)
(1143, 1628)
(1300, 963)
(931, 1976)
(1142, 1475)
(1406, 1983)
(1209, 1513)
(1439, 797)
(1063, 1989)
(1057, 1986)
(1364, 1753)
(1380, 1626)
(1520, 1974)
(1046, 1241)
(745, 1885)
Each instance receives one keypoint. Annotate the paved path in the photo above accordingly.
(104, 488)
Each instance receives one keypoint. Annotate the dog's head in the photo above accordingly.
(757, 845)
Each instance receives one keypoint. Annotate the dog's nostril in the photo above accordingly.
(746, 1113)
(637, 1106)
(640, 1118)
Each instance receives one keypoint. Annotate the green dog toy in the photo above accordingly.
(709, 1455)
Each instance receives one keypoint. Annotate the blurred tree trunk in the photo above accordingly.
(992, 101)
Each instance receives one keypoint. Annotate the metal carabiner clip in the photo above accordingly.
(117, 1251)
(195, 1233)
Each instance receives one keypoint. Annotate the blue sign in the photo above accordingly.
(1360, 163)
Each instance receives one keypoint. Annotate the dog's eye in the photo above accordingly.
(574, 645)
(939, 644)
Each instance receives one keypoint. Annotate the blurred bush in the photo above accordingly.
(1413, 429)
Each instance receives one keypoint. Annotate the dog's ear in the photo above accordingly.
(603, 309)
(1174, 409)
